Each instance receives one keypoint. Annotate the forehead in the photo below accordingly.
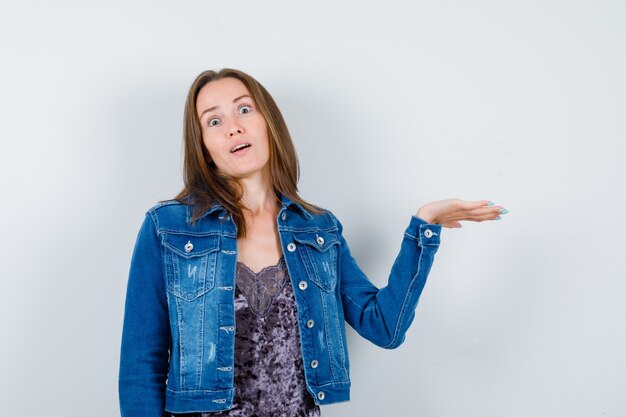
(220, 93)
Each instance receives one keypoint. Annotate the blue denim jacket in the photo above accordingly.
(178, 338)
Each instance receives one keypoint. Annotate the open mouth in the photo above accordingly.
(240, 148)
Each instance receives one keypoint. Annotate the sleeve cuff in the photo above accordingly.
(426, 233)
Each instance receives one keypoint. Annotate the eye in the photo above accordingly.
(210, 123)
(245, 106)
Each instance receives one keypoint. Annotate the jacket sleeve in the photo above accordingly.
(146, 338)
(383, 316)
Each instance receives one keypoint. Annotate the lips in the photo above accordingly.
(241, 145)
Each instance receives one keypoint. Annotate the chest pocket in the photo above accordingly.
(189, 264)
(319, 252)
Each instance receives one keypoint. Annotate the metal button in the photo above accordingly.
(314, 363)
(428, 233)
(188, 246)
(310, 323)
(227, 217)
(320, 240)
(321, 395)
(302, 285)
(291, 247)
(282, 216)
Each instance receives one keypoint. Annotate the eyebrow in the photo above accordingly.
(215, 107)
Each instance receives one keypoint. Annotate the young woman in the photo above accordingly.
(238, 288)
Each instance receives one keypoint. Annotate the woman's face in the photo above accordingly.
(229, 117)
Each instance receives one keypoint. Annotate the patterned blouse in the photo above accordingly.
(269, 375)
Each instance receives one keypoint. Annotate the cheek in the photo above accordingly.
(261, 126)
(209, 141)
(210, 148)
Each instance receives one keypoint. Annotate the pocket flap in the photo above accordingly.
(321, 241)
(319, 251)
(188, 246)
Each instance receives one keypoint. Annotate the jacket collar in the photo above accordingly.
(286, 202)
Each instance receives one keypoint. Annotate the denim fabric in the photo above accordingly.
(269, 373)
(177, 350)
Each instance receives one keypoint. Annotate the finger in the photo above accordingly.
(490, 215)
(480, 214)
(470, 205)
(482, 203)
(485, 210)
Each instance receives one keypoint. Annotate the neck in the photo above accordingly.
(259, 199)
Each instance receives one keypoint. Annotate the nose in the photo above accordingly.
(235, 128)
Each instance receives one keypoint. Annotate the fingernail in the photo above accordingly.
(491, 203)
(503, 211)
(498, 218)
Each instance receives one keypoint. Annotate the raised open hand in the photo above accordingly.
(449, 212)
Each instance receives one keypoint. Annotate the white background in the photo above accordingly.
(390, 105)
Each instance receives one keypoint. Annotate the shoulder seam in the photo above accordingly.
(155, 220)
(164, 203)
(335, 221)
(152, 212)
